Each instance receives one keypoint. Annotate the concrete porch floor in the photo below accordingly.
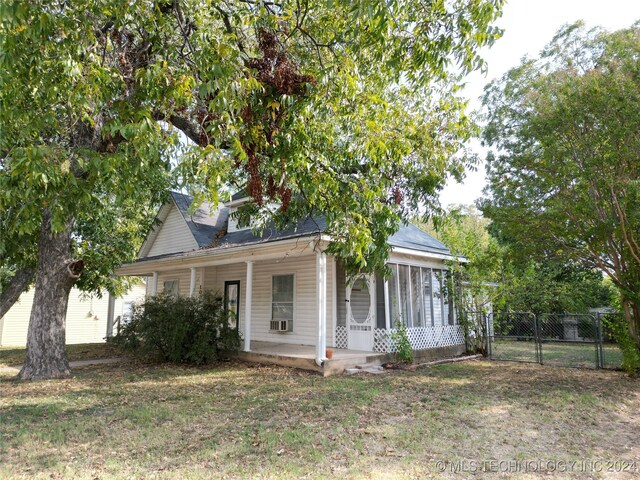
(303, 356)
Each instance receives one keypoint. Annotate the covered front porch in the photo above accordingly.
(304, 357)
(291, 301)
(280, 294)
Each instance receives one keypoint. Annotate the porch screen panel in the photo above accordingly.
(380, 306)
(437, 297)
(403, 278)
(416, 297)
(393, 295)
(449, 311)
(426, 296)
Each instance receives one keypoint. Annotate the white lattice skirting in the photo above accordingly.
(421, 338)
(341, 336)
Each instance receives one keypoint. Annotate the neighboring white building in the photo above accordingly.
(287, 291)
(87, 317)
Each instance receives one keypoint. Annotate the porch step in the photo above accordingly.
(300, 356)
(367, 362)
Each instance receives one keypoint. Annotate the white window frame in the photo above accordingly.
(293, 309)
(164, 286)
(124, 317)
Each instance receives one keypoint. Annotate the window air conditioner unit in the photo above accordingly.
(279, 325)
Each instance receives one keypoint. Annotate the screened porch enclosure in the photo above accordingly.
(417, 296)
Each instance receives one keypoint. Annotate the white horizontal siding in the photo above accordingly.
(86, 317)
(305, 309)
(15, 322)
(173, 236)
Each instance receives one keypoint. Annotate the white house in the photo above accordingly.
(292, 299)
(88, 318)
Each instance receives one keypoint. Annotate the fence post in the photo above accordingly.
(487, 327)
(599, 341)
(537, 337)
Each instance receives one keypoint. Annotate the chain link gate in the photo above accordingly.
(570, 340)
(512, 336)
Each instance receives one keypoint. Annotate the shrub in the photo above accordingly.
(180, 329)
(619, 327)
(403, 348)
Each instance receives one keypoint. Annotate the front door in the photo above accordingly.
(361, 312)
(232, 301)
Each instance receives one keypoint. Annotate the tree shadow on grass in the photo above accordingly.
(236, 418)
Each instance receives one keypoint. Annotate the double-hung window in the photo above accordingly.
(171, 288)
(282, 303)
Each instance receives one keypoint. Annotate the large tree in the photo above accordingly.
(564, 173)
(341, 107)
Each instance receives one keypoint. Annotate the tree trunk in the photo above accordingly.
(56, 273)
(632, 314)
(18, 284)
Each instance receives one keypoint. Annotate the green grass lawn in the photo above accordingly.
(557, 353)
(241, 421)
(10, 356)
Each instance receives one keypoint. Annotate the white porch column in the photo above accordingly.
(334, 300)
(247, 307)
(321, 306)
(154, 284)
(192, 285)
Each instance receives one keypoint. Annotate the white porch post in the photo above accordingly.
(387, 307)
(387, 315)
(321, 294)
(192, 284)
(247, 307)
(154, 284)
(334, 300)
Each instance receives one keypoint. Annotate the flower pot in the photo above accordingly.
(329, 353)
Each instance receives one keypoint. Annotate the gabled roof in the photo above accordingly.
(209, 229)
(205, 223)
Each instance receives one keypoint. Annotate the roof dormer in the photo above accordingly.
(237, 200)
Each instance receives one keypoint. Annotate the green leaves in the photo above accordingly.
(564, 174)
(345, 108)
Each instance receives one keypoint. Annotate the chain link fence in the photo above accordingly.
(569, 339)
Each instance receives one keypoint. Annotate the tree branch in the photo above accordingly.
(18, 284)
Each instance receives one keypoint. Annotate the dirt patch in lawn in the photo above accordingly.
(240, 421)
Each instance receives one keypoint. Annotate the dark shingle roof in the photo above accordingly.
(307, 226)
(207, 227)
(205, 224)
(410, 236)
(239, 195)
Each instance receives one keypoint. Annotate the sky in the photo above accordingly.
(528, 26)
